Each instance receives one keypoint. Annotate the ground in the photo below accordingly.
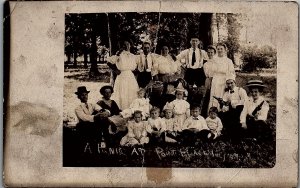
(248, 153)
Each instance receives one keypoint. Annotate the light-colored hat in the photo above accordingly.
(180, 87)
(230, 78)
(255, 84)
(168, 106)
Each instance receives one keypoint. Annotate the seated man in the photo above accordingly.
(92, 124)
(232, 106)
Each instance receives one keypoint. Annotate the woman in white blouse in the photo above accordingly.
(167, 68)
(126, 86)
(222, 67)
(255, 112)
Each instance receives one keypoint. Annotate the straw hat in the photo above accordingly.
(255, 84)
(180, 87)
(168, 106)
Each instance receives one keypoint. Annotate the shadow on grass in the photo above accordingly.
(86, 77)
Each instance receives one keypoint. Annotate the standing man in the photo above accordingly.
(146, 65)
(193, 59)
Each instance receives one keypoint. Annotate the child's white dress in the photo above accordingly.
(137, 134)
(157, 124)
(141, 104)
(181, 111)
(172, 127)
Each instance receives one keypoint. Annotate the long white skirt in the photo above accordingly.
(217, 89)
(125, 89)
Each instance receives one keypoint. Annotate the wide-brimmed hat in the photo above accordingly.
(106, 87)
(255, 84)
(81, 89)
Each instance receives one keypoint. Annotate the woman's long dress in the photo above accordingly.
(126, 86)
(221, 69)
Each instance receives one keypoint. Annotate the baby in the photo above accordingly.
(156, 126)
(214, 123)
(137, 134)
(141, 103)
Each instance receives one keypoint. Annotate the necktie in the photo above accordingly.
(146, 63)
(87, 106)
(193, 58)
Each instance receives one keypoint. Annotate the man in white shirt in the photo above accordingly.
(234, 99)
(193, 59)
(92, 119)
(146, 65)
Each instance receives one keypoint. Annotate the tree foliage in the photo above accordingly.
(256, 58)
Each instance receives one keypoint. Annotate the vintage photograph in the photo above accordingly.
(165, 89)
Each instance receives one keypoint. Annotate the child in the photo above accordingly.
(181, 108)
(141, 103)
(137, 134)
(156, 126)
(214, 123)
(195, 127)
(171, 124)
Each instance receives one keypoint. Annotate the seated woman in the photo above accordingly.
(116, 128)
(137, 134)
(255, 112)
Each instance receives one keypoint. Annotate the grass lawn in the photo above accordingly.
(248, 153)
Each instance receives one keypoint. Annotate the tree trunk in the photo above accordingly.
(75, 60)
(85, 60)
(93, 56)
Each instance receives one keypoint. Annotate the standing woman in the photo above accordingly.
(222, 68)
(126, 86)
(167, 68)
(209, 73)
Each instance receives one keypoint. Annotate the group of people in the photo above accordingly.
(199, 105)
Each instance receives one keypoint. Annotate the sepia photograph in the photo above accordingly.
(163, 89)
(150, 94)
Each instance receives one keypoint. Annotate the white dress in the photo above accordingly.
(126, 86)
(221, 69)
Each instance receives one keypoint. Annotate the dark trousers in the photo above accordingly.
(258, 129)
(232, 127)
(94, 131)
(195, 76)
(143, 78)
(189, 137)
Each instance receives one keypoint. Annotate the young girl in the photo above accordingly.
(137, 134)
(214, 123)
(171, 125)
(141, 103)
(181, 108)
(156, 126)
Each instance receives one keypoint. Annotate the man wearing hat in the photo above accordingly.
(89, 116)
(146, 65)
(255, 112)
(193, 58)
(232, 105)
